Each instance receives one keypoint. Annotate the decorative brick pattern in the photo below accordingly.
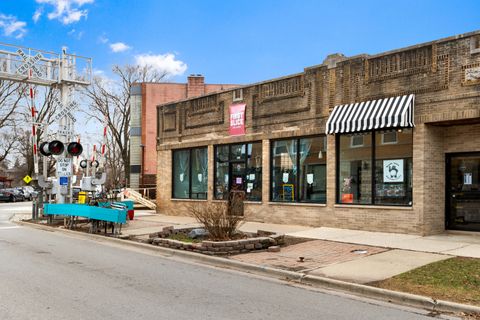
(447, 114)
(316, 254)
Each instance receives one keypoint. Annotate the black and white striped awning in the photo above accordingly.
(394, 112)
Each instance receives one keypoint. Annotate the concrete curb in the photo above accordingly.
(353, 288)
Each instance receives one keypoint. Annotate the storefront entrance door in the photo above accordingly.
(463, 191)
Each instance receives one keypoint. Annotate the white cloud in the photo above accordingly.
(119, 47)
(164, 63)
(66, 11)
(12, 27)
(37, 14)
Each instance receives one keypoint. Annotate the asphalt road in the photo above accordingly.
(50, 275)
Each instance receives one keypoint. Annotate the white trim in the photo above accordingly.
(239, 97)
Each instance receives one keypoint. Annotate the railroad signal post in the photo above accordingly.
(62, 71)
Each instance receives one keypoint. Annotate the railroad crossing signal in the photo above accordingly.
(57, 147)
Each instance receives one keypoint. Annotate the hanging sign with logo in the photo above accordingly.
(393, 170)
(237, 119)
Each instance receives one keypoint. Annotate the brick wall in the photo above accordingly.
(154, 94)
(441, 74)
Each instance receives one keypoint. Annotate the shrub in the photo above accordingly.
(220, 219)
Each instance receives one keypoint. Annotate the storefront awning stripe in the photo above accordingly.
(391, 112)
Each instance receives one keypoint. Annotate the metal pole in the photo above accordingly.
(64, 121)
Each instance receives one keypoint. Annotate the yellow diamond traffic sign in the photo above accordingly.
(27, 179)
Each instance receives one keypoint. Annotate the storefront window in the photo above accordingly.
(239, 167)
(181, 174)
(355, 168)
(393, 167)
(299, 170)
(388, 181)
(190, 173)
(199, 173)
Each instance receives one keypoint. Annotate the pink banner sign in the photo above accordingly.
(237, 119)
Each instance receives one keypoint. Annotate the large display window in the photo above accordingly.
(190, 173)
(299, 170)
(375, 168)
(239, 167)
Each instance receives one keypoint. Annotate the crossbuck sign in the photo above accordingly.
(29, 63)
(65, 111)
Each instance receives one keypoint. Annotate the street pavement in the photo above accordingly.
(50, 275)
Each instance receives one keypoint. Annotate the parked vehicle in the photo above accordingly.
(18, 194)
(25, 192)
(7, 195)
(28, 192)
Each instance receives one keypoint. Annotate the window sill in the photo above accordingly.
(298, 204)
(247, 202)
(367, 206)
(189, 200)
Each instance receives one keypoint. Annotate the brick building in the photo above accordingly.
(143, 123)
(387, 142)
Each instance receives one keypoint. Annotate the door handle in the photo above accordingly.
(453, 196)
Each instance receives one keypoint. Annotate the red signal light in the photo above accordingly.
(74, 148)
(56, 147)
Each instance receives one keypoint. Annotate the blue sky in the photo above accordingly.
(229, 41)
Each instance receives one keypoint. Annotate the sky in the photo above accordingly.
(229, 41)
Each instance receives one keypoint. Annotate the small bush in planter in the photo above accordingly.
(219, 218)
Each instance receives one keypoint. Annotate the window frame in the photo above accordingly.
(390, 142)
(296, 195)
(190, 151)
(356, 145)
(373, 161)
(230, 161)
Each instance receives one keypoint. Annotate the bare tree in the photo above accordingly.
(114, 163)
(109, 101)
(10, 96)
(45, 111)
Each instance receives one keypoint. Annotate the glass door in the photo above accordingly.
(463, 191)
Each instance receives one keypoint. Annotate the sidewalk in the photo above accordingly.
(349, 255)
(454, 244)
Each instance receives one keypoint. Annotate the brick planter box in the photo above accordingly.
(217, 247)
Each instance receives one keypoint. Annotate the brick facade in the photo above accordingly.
(444, 75)
(153, 94)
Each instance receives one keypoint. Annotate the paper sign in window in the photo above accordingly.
(309, 178)
(393, 170)
(467, 178)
